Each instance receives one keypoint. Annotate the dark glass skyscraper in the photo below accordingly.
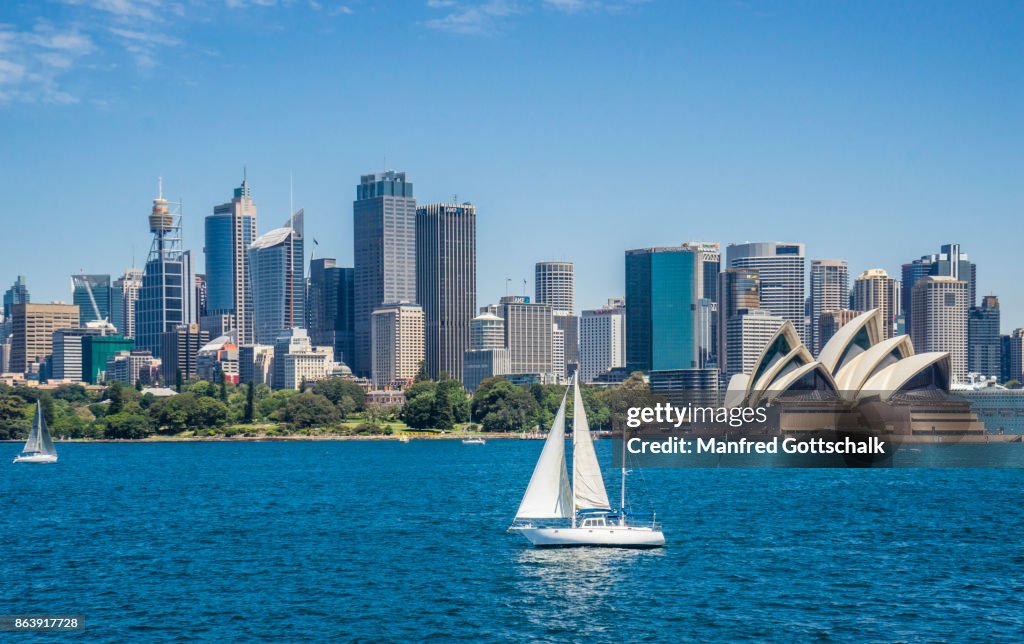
(446, 283)
(92, 294)
(17, 294)
(984, 345)
(662, 291)
(384, 237)
(330, 307)
(230, 230)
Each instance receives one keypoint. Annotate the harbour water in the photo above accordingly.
(390, 541)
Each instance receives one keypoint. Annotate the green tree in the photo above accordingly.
(500, 406)
(223, 388)
(14, 419)
(309, 409)
(345, 394)
(115, 394)
(422, 373)
(71, 393)
(127, 426)
(46, 400)
(418, 412)
(179, 380)
(250, 403)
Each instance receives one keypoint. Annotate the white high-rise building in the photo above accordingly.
(554, 285)
(397, 344)
(874, 289)
(124, 296)
(602, 340)
(939, 306)
(830, 291)
(278, 289)
(748, 333)
(781, 267)
(487, 355)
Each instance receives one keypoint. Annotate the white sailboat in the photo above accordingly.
(38, 448)
(551, 502)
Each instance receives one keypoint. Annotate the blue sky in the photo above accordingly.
(871, 131)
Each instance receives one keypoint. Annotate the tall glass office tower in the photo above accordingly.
(166, 297)
(93, 295)
(446, 282)
(663, 286)
(230, 230)
(384, 236)
(278, 285)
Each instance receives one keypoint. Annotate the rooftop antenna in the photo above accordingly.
(508, 280)
(455, 199)
(160, 187)
(524, 287)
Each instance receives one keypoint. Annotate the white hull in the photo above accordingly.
(606, 536)
(36, 458)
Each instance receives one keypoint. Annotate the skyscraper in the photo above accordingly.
(874, 289)
(939, 314)
(747, 334)
(487, 355)
(602, 341)
(830, 291)
(179, 349)
(1014, 356)
(708, 326)
(17, 294)
(782, 271)
(32, 329)
(528, 336)
(738, 289)
(446, 282)
(329, 307)
(831, 321)
(276, 268)
(662, 291)
(555, 285)
(166, 298)
(93, 296)
(397, 345)
(984, 346)
(948, 262)
(230, 230)
(125, 295)
(384, 237)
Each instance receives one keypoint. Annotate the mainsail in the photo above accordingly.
(587, 483)
(39, 438)
(548, 495)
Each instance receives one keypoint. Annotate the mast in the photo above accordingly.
(622, 492)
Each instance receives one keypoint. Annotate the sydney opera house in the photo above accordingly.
(860, 381)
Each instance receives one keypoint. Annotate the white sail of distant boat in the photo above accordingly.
(39, 447)
(550, 500)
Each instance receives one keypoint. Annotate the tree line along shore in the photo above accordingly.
(335, 407)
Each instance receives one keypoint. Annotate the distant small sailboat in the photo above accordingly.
(404, 438)
(476, 440)
(38, 448)
(550, 500)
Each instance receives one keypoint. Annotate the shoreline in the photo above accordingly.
(281, 439)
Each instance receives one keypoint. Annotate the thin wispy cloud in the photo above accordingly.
(484, 17)
(471, 18)
(32, 61)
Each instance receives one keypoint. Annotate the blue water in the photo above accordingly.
(385, 541)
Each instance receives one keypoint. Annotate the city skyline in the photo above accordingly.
(760, 124)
